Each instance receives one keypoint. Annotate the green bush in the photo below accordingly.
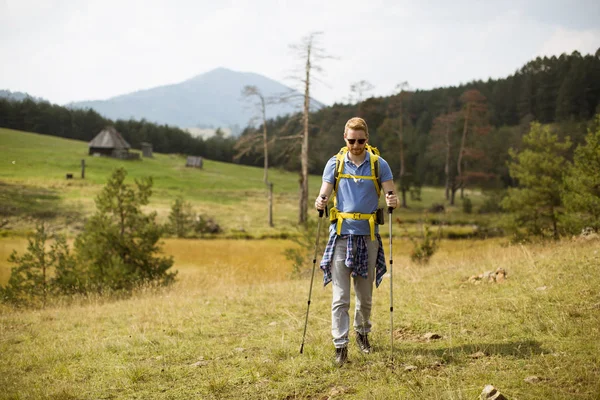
(47, 268)
(204, 225)
(301, 255)
(492, 203)
(425, 247)
(181, 218)
(467, 205)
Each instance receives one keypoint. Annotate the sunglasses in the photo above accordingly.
(360, 141)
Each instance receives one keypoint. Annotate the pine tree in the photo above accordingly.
(582, 184)
(119, 245)
(536, 203)
(181, 218)
(46, 268)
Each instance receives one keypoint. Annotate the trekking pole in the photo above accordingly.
(390, 210)
(312, 276)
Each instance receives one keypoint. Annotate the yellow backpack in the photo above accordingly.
(339, 168)
(335, 215)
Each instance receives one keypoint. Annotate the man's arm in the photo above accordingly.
(326, 189)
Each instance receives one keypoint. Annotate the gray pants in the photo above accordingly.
(363, 289)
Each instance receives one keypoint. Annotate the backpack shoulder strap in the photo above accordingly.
(375, 172)
(339, 167)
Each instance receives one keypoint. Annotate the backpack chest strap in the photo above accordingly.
(350, 176)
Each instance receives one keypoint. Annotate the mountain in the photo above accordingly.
(209, 100)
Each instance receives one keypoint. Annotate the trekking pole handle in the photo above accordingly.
(390, 209)
(321, 211)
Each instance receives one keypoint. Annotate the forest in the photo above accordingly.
(421, 133)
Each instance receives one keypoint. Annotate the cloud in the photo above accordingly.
(67, 50)
(565, 40)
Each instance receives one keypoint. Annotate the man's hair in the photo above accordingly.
(358, 124)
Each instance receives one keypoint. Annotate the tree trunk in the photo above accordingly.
(266, 165)
(462, 149)
(44, 284)
(402, 166)
(453, 194)
(265, 142)
(270, 204)
(447, 165)
(303, 211)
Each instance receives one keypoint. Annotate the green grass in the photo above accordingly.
(231, 328)
(34, 186)
(232, 194)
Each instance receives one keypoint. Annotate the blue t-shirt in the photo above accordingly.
(356, 195)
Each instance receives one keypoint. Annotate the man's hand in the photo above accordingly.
(321, 202)
(391, 200)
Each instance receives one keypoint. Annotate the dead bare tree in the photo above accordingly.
(360, 89)
(309, 51)
(251, 142)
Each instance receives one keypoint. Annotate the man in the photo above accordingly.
(354, 248)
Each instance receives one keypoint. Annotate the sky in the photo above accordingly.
(73, 50)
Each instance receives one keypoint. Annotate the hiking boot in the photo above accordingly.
(341, 356)
(363, 342)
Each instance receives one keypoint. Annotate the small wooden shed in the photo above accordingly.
(194, 161)
(109, 142)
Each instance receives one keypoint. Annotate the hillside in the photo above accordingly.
(212, 99)
(34, 187)
(33, 184)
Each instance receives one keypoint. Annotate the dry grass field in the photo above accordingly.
(231, 328)
(231, 325)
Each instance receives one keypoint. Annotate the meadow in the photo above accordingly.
(231, 326)
(33, 184)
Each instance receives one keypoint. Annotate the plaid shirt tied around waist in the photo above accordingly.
(359, 263)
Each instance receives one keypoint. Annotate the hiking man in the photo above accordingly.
(357, 175)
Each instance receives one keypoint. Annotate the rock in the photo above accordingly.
(337, 390)
(200, 363)
(431, 336)
(532, 379)
(479, 354)
(500, 275)
(240, 349)
(410, 368)
(274, 323)
(491, 393)
(541, 288)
